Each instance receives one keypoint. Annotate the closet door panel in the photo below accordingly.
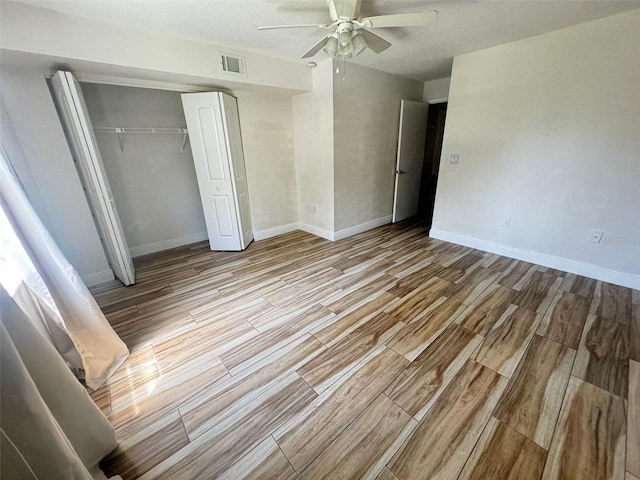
(234, 136)
(212, 145)
(77, 126)
(224, 216)
(206, 124)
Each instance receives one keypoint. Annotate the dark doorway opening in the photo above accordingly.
(431, 165)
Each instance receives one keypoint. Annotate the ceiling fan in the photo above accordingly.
(350, 35)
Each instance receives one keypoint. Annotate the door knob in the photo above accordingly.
(400, 172)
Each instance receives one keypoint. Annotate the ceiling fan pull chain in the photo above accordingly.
(344, 67)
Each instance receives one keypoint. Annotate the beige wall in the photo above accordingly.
(436, 91)
(366, 119)
(266, 121)
(346, 137)
(547, 133)
(313, 139)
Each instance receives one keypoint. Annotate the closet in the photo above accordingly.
(159, 170)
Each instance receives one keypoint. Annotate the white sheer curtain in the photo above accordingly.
(49, 291)
(50, 429)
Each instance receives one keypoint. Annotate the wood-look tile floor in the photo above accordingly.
(388, 355)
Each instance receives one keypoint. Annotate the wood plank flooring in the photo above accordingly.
(388, 355)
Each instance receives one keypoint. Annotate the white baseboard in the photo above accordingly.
(319, 232)
(559, 263)
(97, 278)
(273, 232)
(363, 227)
(167, 244)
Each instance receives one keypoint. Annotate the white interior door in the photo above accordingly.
(79, 130)
(411, 141)
(216, 144)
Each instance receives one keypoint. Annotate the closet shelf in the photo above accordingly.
(121, 130)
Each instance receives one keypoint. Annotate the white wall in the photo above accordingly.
(366, 108)
(48, 172)
(13, 153)
(314, 158)
(266, 121)
(547, 132)
(25, 28)
(153, 180)
(436, 91)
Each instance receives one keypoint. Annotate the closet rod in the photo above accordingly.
(140, 130)
(121, 130)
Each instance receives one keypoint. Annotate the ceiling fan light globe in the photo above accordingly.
(346, 51)
(344, 43)
(331, 48)
(344, 37)
(359, 44)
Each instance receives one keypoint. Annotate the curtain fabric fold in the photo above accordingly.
(50, 428)
(48, 289)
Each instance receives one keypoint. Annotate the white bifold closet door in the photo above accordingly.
(77, 125)
(216, 144)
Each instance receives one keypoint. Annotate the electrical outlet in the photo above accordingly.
(507, 222)
(596, 236)
(455, 158)
(314, 208)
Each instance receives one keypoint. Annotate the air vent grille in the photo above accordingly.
(233, 64)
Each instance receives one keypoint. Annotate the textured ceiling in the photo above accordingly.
(421, 53)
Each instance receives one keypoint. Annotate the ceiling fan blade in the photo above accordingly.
(374, 42)
(333, 13)
(274, 27)
(418, 19)
(316, 48)
(347, 8)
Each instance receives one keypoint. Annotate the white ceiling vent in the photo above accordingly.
(233, 64)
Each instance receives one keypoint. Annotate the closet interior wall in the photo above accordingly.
(152, 177)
